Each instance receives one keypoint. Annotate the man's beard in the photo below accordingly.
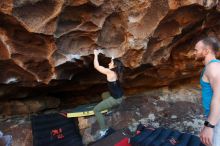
(201, 58)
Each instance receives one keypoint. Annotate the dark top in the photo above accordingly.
(115, 89)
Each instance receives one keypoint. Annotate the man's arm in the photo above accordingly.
(213, 75)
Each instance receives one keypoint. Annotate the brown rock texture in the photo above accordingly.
(28, 106)
(20, 130)
(46, 46)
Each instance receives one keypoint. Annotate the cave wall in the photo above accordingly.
(46, 46)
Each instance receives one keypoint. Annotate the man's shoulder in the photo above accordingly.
(213, 68)
(214, 65)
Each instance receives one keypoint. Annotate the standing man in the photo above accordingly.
(206, 50)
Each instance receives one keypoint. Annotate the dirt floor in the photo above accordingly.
(180, 115)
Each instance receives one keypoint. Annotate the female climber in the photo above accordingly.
(112, 98)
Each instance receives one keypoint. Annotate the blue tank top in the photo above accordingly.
(207, 91)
